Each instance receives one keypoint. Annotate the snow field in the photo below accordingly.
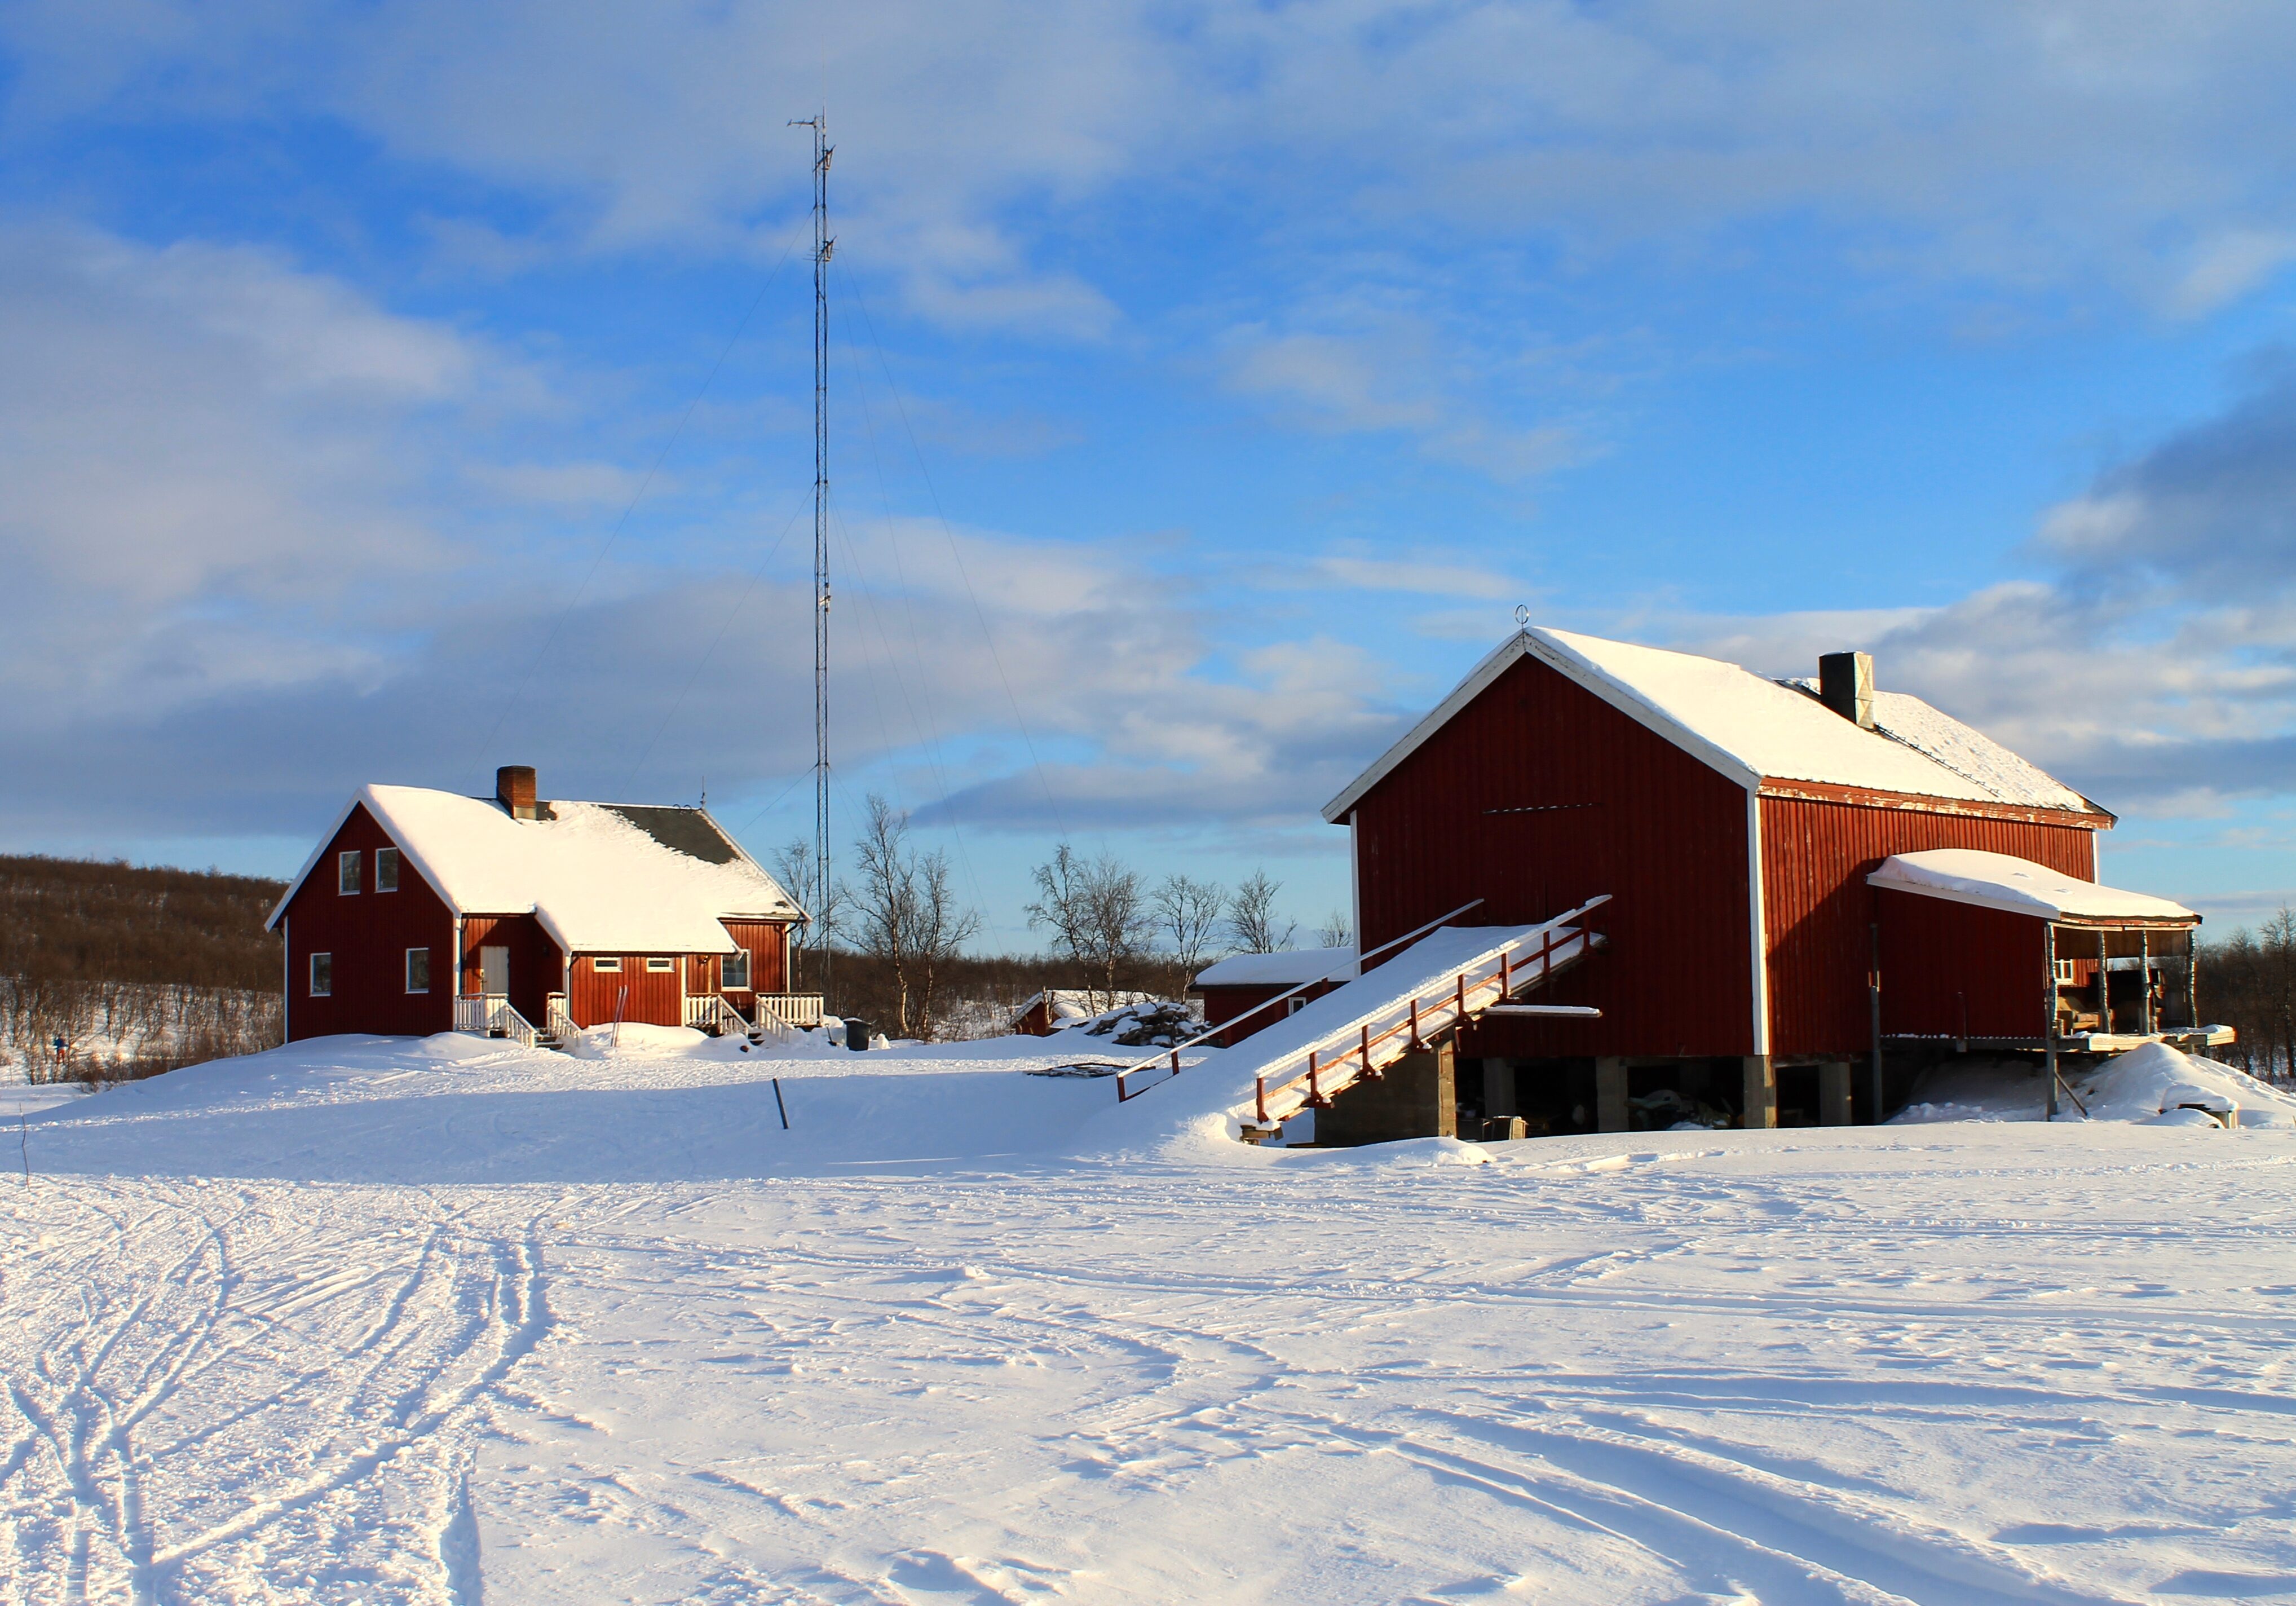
(365, 1321)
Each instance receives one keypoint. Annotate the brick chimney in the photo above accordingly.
(514, 788)
(1845, 683)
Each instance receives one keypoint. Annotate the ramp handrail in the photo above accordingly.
(1452, 1007)
(1173, 1053)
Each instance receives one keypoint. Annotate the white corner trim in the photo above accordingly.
(1354, 879)
(1754, 906)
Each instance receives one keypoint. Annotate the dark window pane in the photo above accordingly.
(323, 975)
(386, 870)
(418, 970)
(347, 871)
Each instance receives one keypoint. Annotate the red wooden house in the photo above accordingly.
(426, 911)
(1763, 842)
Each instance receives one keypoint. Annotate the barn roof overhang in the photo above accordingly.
(2015, 886)
(1866, 797)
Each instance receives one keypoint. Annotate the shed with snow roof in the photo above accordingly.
(422, 911)
(1739, 824)
(1055, 1009)
(1236, 989)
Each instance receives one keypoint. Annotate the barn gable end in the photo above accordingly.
(1535, 795)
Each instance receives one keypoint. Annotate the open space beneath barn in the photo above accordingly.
(415, 1322)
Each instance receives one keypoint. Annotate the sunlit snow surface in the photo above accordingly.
(449, 1322)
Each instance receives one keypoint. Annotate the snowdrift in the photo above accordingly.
(2153, 1084)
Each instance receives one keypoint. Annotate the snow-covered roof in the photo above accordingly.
(602, 878)
(1965, 750)
(1289, 968)
(1074, 1004)
(2002, 881)
(1754, 729)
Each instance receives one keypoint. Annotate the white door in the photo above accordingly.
(493, 973)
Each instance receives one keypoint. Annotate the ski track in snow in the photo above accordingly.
(1979, 1365)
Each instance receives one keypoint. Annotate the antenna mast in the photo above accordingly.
(823, 246)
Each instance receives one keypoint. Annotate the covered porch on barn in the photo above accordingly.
(1979, 950)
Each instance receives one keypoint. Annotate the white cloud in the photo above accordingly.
(179, 423)
(2042, 144)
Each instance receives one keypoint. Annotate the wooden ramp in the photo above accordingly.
(1448, 977)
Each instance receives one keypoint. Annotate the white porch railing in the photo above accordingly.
(710, 1012)
(490, 1015)
(791, 1009)
(558, 1023)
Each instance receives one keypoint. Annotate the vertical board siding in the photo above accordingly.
(1605, 805)
(537, 965)
(1818, 916)
(768, 945)
(1943, 964)
(1224, 1002)
(368, 934)
(656, 998)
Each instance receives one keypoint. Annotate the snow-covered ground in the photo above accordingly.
(446, 1321)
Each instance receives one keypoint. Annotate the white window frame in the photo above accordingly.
(661, 967)
(411, 953)
(609, 965)
(311, 975)
(392, 855)
(349, 859)
(748, 972)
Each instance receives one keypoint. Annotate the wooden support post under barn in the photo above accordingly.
(1610, 1093)
(1760, 1106)
(1833, 1094)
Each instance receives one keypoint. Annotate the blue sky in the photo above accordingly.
(396, 392)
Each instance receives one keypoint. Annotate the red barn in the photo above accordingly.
(426, 911)
(1736, 820)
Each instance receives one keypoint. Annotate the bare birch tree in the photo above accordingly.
(799, 871)
(1188, 914)
(1252, 918)
(904, 913)
(1096, 912)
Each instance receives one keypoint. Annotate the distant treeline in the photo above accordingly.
(136, 969)
(82, 920)
(2248, 981)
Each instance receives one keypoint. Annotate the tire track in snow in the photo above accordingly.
(184, 1351)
